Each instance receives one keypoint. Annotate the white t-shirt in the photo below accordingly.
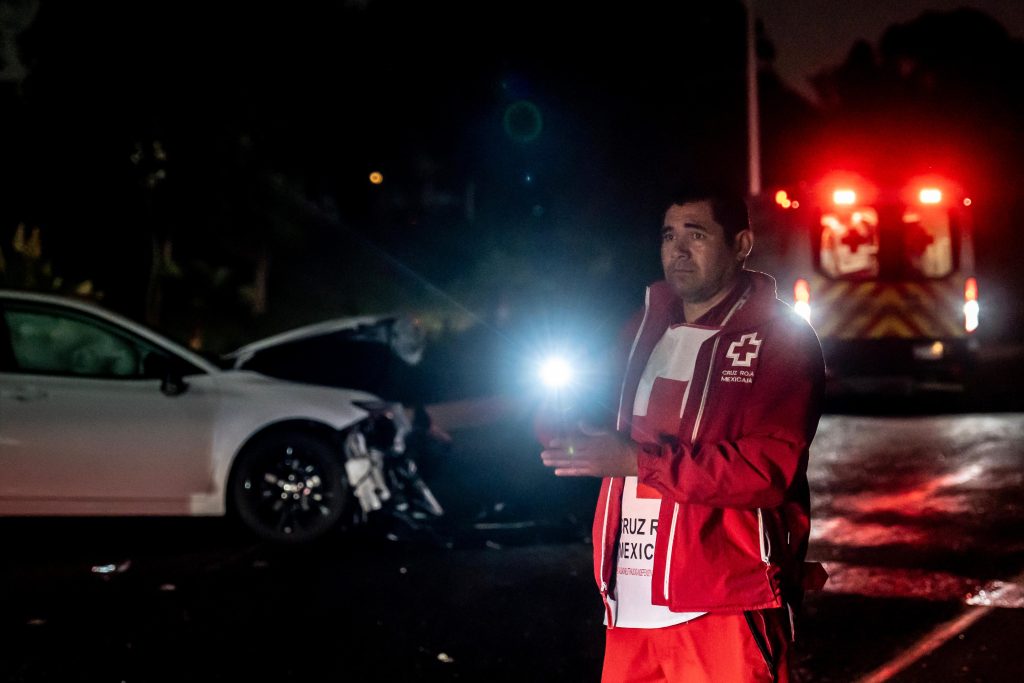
(669, 371)
(635, 564)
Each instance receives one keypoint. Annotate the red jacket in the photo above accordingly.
(735, 511)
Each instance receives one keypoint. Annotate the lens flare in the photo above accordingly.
(556, 372)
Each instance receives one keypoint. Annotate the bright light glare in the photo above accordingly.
(803, 309)
(844, 197)
(971, 310)
(802, 299)
(556, 373)
(930, 195)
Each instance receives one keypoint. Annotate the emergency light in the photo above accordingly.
(844, 196)
(802, 299)
(929, 195)
(971, 306)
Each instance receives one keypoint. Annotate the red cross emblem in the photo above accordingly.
(744, 351)
(855, 238)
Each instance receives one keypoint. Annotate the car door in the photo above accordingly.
(83, 417)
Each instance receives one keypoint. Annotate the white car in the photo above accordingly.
(102, 416)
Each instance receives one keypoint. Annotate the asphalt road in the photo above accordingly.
(919, 519)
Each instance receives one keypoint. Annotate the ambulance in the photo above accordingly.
(883, 268)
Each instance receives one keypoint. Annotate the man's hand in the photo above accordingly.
(607, 454)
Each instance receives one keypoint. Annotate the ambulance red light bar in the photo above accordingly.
(844, 189)
(844, 196)
(931, 190)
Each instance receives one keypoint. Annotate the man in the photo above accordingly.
(703, 517)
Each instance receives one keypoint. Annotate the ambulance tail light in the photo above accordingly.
(971, 306)
(802, 299)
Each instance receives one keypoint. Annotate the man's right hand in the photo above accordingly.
(594, 454)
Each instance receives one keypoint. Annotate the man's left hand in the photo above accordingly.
(608, 454)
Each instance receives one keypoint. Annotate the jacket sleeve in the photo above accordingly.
(756, 468)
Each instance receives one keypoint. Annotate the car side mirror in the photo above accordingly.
(173, 383)
(172, 380)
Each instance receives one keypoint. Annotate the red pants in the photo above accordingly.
(717, 648)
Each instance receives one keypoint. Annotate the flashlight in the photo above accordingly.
(558, 377)
(556, 373)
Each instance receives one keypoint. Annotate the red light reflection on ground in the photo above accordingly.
(846, 532)
(896, 582)
(932, 496)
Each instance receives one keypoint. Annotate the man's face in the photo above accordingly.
(699, 262)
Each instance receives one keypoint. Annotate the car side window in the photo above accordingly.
(48, 342)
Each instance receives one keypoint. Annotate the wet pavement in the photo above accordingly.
(919, 519)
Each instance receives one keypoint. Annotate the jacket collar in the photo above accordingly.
(751, 302)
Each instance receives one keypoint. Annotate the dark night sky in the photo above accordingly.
(811, 35)
(273, 118)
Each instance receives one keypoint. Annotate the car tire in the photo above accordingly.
(288, 487)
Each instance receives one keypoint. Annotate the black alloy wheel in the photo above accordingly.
(289, 487)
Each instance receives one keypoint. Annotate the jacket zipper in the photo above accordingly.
(671, 541)
(693, 438)
(765, 542)
(704, 396)
(696, 425)
(618, 426)
(604, 545)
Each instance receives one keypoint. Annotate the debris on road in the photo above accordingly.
(105, 569)
(998, 594)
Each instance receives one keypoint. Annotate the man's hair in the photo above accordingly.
(727, 207)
